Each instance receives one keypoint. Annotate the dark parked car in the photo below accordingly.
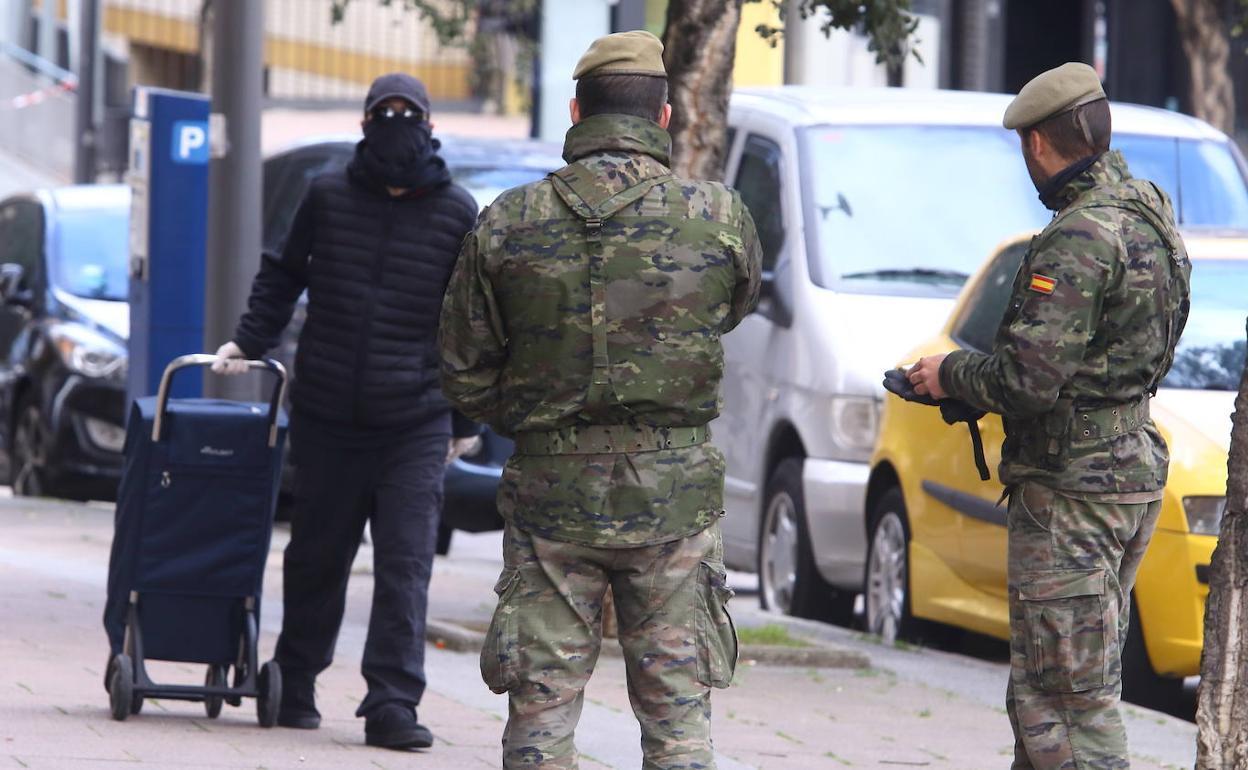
(63, 328)
(64, 321)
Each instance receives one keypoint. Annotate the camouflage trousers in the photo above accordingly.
(545, 636)
(1072, 564)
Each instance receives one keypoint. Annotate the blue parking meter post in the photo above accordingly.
(168, 178)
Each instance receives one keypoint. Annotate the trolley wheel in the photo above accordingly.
(136, 703)
(121, 688)
(214, 678)
(269, 684)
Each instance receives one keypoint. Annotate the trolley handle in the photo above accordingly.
(207, 359)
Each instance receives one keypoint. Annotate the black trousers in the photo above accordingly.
(397, 487)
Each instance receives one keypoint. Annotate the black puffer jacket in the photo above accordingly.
(375, 268)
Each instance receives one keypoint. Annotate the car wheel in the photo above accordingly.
(887, 580)
(788, 580)
(28, 457)
(1140, 683)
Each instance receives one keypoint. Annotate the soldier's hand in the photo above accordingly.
(926, 376)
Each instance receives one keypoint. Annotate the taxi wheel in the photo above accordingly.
(788, 580)
(887, 581)
(1140, 683)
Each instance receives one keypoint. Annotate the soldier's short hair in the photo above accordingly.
(1081, 132)
(641, 96)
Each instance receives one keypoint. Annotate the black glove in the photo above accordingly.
(952, 411)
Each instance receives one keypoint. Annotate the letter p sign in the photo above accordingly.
(190, 142)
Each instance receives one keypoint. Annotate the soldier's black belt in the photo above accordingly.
(608, 439)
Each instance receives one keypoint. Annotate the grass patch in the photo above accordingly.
(771, 634)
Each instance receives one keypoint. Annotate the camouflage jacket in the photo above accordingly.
(561, 315)
(1097, 308)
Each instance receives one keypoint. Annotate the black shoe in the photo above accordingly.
(298, 709)
(394, 726)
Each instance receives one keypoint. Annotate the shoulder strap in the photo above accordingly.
(1177, 284)
(567, 179)
(565, 182)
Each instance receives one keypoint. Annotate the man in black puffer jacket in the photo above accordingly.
(374, 247)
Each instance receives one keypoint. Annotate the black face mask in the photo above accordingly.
(400, 153)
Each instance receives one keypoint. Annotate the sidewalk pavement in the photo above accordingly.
(913, 709)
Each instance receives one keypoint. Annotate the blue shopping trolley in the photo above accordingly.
(193, 524)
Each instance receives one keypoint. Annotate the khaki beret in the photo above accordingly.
(623, 53)
(1051, 93)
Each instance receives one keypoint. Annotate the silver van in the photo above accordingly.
(873, 207)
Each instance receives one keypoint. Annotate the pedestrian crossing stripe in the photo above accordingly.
(1043, 283)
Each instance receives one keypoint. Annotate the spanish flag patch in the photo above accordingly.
(1042, 283)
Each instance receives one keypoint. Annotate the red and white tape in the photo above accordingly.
(22, 101)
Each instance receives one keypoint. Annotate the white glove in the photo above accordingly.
(458, 447)
(230, 359)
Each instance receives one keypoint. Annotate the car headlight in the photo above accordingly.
(89, 353)
(855, 425)
(1204, 514)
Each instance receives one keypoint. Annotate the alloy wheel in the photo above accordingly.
(886, 578)
(779, 561)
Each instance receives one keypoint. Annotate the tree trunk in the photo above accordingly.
(1222, 704)
(699, 46)
(1203, 30)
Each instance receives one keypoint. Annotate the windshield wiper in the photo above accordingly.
(910, 274)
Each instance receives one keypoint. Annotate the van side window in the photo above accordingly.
(976, 325)
(758, 181)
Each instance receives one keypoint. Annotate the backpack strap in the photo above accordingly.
(1178, 283)
(565, 182)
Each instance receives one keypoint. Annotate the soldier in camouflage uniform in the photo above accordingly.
(1097, 308)
(584, 320)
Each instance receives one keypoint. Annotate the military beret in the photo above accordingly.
(623, 53)
(1051, 93)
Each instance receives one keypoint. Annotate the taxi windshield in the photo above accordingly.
(1210, 355)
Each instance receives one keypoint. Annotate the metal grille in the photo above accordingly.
(309, 58)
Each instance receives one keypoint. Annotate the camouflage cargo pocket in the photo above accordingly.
(717, 636)
(1068, 629)
(499, 654)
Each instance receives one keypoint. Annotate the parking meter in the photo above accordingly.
(168, 177)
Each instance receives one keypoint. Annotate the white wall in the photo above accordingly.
(843, 59)
(568, 27)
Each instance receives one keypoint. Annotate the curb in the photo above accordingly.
(452, 636)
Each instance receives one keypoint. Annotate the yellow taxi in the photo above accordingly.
(937, 538)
